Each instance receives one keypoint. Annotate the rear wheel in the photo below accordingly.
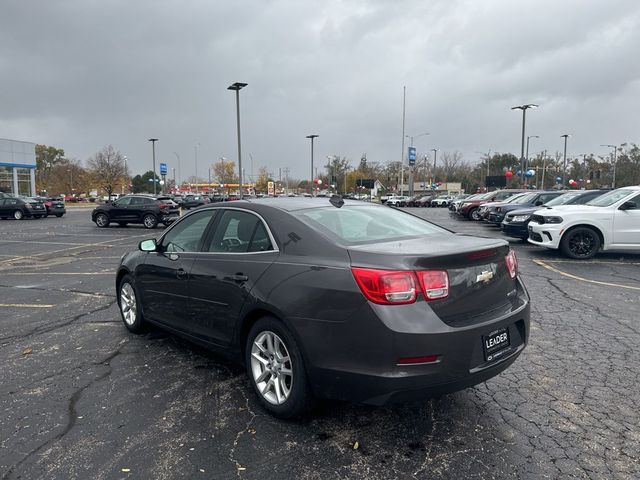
(129, 306)
(59, 215)
(102, 220)
(580, 243)
(18, 215)
(37, 216)
(276, 369)
(150, 221)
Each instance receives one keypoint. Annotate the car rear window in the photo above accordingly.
(366, 224)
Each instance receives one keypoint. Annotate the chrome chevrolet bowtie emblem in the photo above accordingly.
(484, 277)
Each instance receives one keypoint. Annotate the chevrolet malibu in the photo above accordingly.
(325, 298)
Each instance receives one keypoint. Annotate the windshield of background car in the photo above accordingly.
(563, 199)
(610, 198)
(355, 224)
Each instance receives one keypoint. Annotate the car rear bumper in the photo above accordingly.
(349, 362)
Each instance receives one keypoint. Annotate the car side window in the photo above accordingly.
(187, 234)
(137, 201)
(122, 202)
(545, 198)
(239, 232)
(636, 200)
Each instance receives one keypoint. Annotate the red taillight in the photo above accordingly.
(434, 283)
(512, 263)
(28, 205)
(386, 287)
(392, 287)
(164, 205)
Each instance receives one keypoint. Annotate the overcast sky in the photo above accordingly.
(84, 74)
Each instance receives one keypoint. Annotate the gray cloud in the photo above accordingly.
(82, 74)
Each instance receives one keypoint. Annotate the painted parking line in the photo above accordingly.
(25, 305)
(111, 242)
(589, 262)
(582, 279)
(42, 273)
(36, 242)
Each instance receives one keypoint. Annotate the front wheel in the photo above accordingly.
(580, 243)
(475, 215)
(129, 306)
(276, 369)
(102, 220)
(150, 221)
(18, 215)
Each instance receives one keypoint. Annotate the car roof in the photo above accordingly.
(290, 204)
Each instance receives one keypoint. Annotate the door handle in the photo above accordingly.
(238, 277)
(181, 273)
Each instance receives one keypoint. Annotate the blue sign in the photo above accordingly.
(411, 155)
(163, 169)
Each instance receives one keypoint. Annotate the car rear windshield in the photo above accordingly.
(367, 224)
(611, 197)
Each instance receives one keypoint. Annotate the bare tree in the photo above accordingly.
(108, 168)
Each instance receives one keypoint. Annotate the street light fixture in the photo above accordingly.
(312, 137)
(615, 158)
(524, 109)
(153, 149)
(237, 86)
(564, 164)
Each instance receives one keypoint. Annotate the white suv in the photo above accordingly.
(609, 222)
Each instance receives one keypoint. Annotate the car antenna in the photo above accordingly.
(336, 200)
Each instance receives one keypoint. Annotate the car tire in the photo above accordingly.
(284, 382)
(37, 216)
(18, 215)
(59, 215)
(580, 243)
(129, 305)
(474, 214)
(102, 220)
(149, 221)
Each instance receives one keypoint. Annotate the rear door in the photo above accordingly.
(238, 250)
(164, 276)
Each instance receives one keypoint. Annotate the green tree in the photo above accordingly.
(224, 171)
(263, 179)
(142, 183)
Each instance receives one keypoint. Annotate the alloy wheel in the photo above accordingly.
(102, 220)
(582, 243)
(150, 221)
(18, 215)
(271, 367)
(128, 305)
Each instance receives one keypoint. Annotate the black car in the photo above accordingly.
(361, 303)
(516, 223)
(496, 213)
(21, 207)
(194, 201)
(54, 206)
(144, 209)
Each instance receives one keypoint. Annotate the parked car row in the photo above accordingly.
(19, 207)
(418, 200)
(578, 223)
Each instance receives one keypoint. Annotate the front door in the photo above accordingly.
(164, 276)
(119, 210)
(626, 225)
(240, 250)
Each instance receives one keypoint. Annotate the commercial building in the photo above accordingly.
(17, 167)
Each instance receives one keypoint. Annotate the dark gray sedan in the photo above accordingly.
(331, 299)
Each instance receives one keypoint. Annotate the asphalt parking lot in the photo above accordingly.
(83, 398)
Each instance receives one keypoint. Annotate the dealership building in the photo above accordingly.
(17, 167)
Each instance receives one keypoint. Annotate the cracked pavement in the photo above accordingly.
(80, 397)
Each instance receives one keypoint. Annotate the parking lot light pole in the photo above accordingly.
(615, 158)
(564, 162)
(153, 150)
(312, 137)
(526, 158)
(524, 109)
(435, 160)
(411, 138)
(178, 157)
(237, 86)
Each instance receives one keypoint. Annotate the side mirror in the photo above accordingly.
(630, 205)
(148, 245)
